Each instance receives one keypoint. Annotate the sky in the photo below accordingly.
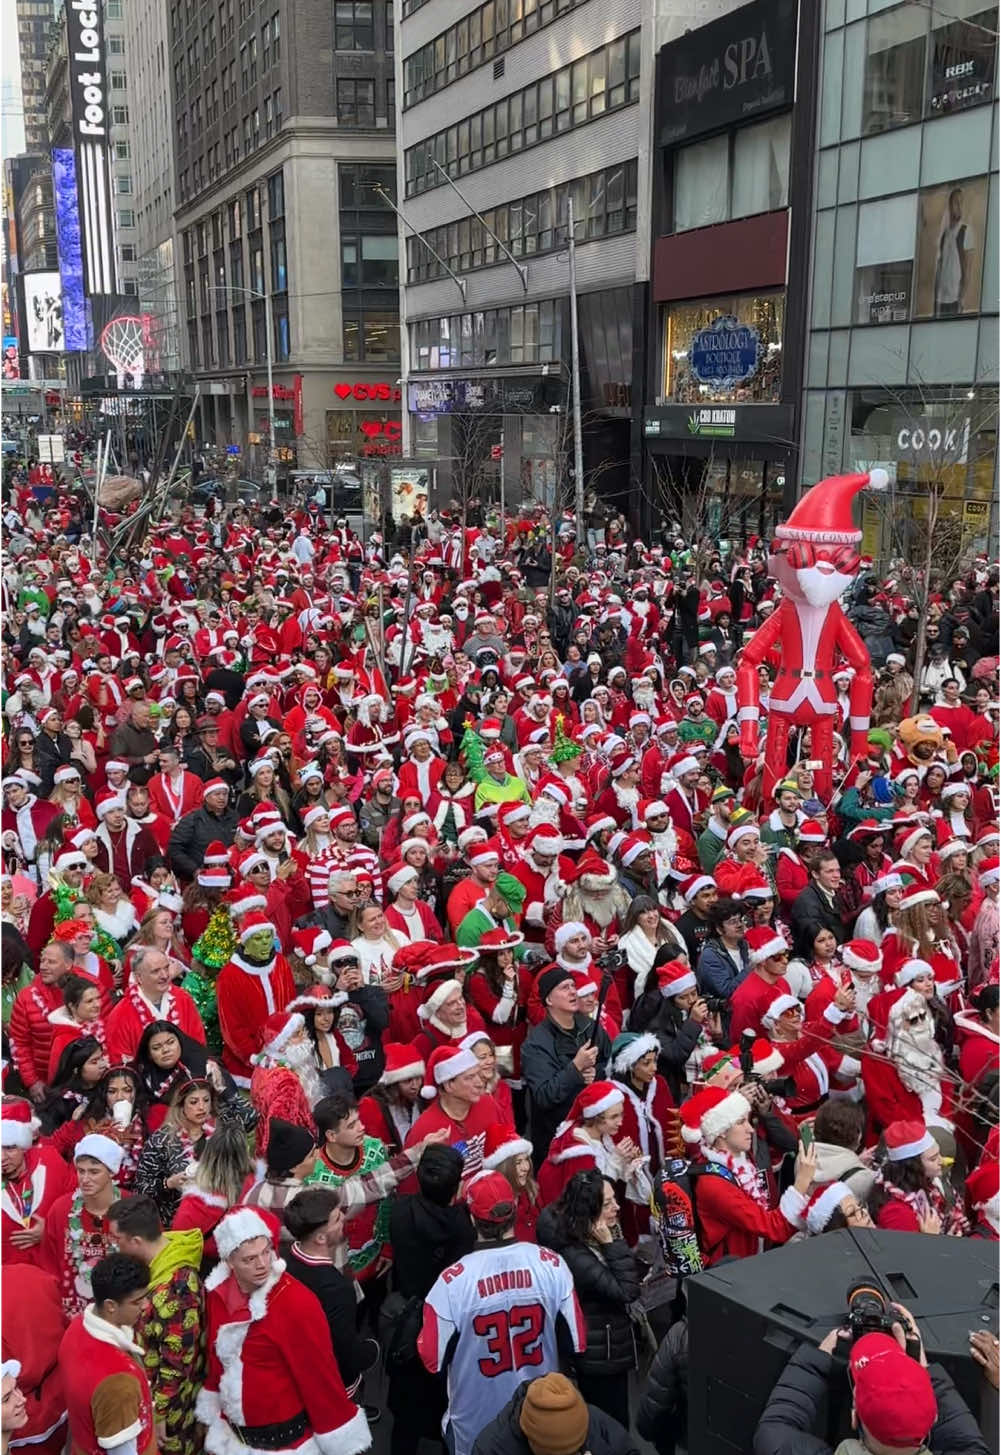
(11, 123)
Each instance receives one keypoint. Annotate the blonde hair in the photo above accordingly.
(98, 886)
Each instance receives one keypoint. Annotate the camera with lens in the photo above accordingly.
(610, 960)
(716, 1004)
(870, 1312)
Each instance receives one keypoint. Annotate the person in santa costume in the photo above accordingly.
(407, 914)
(499, 989)
(77, 1232)
(445, 1017)
(908, 1080)
(814, 1067)
(30, 1355)
(910, 1194)
(27, 817)
(453, 1087)
(768, 955)
(573, 946)
(736, 1212)
(34, 1177)
(545, 871)
(591, 1137)
(594, 898)
(422, 769)
(391, 1107)
(108, 1399)
(649, 1113)
(254, 984)
(260, 1396)
(985, 935)
(150, 996)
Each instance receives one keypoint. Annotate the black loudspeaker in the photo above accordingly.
(747, 1318)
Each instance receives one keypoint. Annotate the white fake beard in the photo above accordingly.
(300, 1059)
(544, 810)
(866, 986)
(602, 910)
(644, 698)
(626, 797)
(917, 1057)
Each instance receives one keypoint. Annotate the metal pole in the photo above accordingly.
(578, 442)
(272, 458)
(503, 520)
(97, 487)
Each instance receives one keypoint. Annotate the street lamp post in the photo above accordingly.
(254, 293)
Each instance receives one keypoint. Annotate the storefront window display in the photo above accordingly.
(725, 350)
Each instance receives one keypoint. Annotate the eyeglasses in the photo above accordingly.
(350, 893)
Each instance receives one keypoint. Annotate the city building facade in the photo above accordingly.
(528, 109)
(903, 341)
(34, 18)
(732, 152)
(283, 116)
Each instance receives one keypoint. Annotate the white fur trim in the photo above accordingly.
(774, 946)
(720, 1118)
(239, 1226)
(636, 1050)
(16, 1134)
(823, 1207)
(516, 1147)
(778, 1007)
(910, 1149)
(910, 971)
(128, 1436)
(771, 1063)
(349, 1439)
(791, 1205)
(610, 1099)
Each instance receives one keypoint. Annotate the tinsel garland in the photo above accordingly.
(215, 945)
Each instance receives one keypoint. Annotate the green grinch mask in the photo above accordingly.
(260, 945)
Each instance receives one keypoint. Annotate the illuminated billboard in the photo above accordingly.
(43, 312)
(89, 95)
(64, 191)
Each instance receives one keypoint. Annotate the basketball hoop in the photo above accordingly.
(123, 342)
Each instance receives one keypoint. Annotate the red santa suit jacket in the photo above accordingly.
(134, 1012)
(89, 1358)
(247, 994)
(27, 1198)
(30, 1030)
(749, 1002)
(256, 1374)
(173, 801)
(734, 1225)
(34, 1343)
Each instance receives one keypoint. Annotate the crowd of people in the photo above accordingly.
(404, 969)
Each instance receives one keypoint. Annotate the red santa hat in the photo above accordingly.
(675, 977)
(242, 899)
(634, 846)
(763, 942)
(318, 997)
(444, 1064)
(106, 801)
(824, 1204)
(214, 877)
(743, 831)
(694, 884)
(254, 924)
(486, 853)
(653, 808)
(766, 1059)
(500, 939)
(824, 514)
(599, 1097)
(314, 814)
(276, 1032)
(918, 894)
(402, 1063)
(513, 813)
(811, 832)
(19, 1124)
(783, 1002)
(69, 859)
(863, 956)
(216, 853)
(80, 836)
(242, 1225)
(710, 1113)
(309, 944)
(501, 1143)
(341, 950)
(904, 1140)
(437, 960)
(65, 774)
(597, 823)
(214, 785)
(983, 1187)
(683, 763)
(910, 971)
(593, 872)
(989, 870)
(885, 882)
(437, 998)
(621, 763)
(398, 875)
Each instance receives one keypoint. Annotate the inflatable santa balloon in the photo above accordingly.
(814, 558)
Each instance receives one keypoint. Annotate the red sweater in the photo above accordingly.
(734, 1225)
(749, 1002)
(466, 1136)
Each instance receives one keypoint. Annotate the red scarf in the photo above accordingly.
(745, 1174)
(951, 1216)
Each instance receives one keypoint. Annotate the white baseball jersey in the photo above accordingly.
(491, 1321)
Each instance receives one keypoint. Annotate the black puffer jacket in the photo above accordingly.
(503, 1435)
(662, 1417)
(606, 1282)
(794, 1406)
(677, 1034)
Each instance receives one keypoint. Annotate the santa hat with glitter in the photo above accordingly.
(501, 1143)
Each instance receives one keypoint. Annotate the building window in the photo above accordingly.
(390, 28)
(126, 217)
(279, 268)
(130, 287)
(122, 151)
(276, 196)
(116, 45)
(487, 32)
(369, 263)
(530, 333)
(276, 38)
(734, 175)
(355, 101)
(112, 9)
(696, 374)
(278, 109)
(239, 335)
(604, 204)
(559, 102)
(118, 80)
(354, 29)
(128, 252)
(923, 63)
(120, 115)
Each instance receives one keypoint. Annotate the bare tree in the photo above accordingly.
(944, 439)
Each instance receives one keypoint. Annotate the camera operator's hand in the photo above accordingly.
(900, 1333)
(828, 1344)
(984, 1348)
(699, 1012)
(755, 1093)
(806, 1168)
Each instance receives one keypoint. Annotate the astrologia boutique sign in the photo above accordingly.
(725, 352)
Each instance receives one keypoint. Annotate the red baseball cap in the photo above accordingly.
(894, 1398)
(490, 1199)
